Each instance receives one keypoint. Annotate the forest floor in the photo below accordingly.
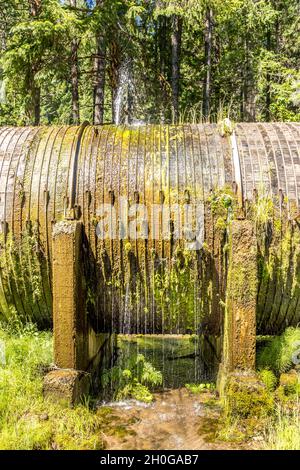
(177, 420)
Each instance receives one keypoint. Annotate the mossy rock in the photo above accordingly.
(246, 397)
(289, 383)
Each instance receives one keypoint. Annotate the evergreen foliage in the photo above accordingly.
(63, 61)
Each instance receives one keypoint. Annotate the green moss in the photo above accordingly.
(230, 431)
(245, 397)
(263, 210)
(278, 272)
(127, 247)
(221, 201)
(221, 224)
(176, 288)
(120, 431)
(289, 385)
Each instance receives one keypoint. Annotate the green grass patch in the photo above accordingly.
(284, 433)
(27, 420)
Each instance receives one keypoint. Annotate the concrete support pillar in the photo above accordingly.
(239, 337)
(80, 353)
(70, 381)
(69, 316)
(241, 297)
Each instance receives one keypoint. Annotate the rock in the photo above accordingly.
(44, 417)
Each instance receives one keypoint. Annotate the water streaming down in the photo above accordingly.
(125, 89)
(125, 107)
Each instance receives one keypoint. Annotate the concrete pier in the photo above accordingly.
(79, 352)
(239, 330)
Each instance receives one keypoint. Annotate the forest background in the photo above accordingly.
(132, 61)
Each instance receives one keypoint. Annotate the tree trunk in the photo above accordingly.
(34, 6)
(249, 96)
(162, 44)
(33, 104)
(75, 77)
(99, 85)
(208, 62)
(99, 77)
(34, 109)
(113, 71)
(162, 41)
(268, 87)
(176, 50)
(129, 112)
(36, 101)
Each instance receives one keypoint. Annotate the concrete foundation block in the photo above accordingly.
(67, 385)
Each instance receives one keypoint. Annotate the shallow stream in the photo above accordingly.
(177, 418)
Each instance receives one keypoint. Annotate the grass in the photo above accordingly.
(30, 422)
(200, 388)
(284, 433)
(230, 432)
(27, 420)
(281, 352)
